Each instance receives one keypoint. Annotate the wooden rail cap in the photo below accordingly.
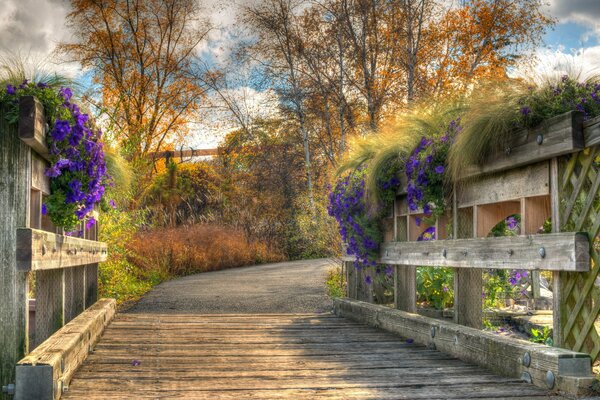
(39, 250)
(567, 251)
(46, 372)
(32, 124)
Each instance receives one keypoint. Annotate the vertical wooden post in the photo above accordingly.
(15, 186)
(468, 283)
(91, 284)
(534, 212)
(405, 288)
(350, 280)
(557, 287)
(48, 304)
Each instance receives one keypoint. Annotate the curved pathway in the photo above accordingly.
(264, 332)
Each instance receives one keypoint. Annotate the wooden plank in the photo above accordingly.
(15, 185)
(568, 251)
(528, 181)
(39, 180)
(499, 353)
(561, 135)
(39, 250)
(591, 132)
(48, 304)
(32, 124)
(64, 351)
(558, 319)
(405, 288)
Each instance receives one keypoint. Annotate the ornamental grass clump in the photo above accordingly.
(497, 110)
(77, 171)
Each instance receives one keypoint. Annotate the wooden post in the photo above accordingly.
(557, 289)
(534, 212)
(405, 288)
(468, 283)
(15, 186)
(48, 303)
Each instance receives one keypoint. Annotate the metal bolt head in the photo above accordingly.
(526, 377)
(445, 253)
(542, 252)
(455, 339)
(539, 139)
(550, 379)
(9, 389)
(526, 359)
(44, 249)
(507, 151)
(433, 331)
(511, 252)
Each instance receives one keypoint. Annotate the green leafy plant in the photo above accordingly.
(542, 336)
(435, 287)
(335, 283)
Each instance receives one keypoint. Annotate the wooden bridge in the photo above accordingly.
(78, 349)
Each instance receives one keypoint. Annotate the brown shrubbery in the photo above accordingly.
(198, 248)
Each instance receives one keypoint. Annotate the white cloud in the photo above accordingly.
(582, 63)
(584, 12)
(32, 29)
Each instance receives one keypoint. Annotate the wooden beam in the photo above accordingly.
(184, 153)
(560, 135)
(528, 181)
(32, 124)
(46, 372)
(562, 252)
(504, 355)
(39, 250)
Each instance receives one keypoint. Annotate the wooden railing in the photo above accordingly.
(46, 278)
(551, 172)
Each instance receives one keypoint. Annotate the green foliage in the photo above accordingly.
(496, 110)
(314, 233)
(544, 336)
(335, 283)
(435, 287)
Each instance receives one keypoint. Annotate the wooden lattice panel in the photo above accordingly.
(580, 211)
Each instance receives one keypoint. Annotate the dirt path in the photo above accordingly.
(288, 287)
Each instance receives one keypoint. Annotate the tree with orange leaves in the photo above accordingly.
(141, 53)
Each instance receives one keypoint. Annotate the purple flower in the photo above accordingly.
(42, 85)
(525, 111)
(409, 341)
(512, 223)
(53, 171)
(23, 84)
(112, 204)
(44, 209)
(90, 222)
(439, 169)
(66, 93)
(389, 271)
(418, 221)
(10, 89)
(136, 363)
(61, 130)
(368, 280)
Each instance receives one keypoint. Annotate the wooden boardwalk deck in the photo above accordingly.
(274, 356)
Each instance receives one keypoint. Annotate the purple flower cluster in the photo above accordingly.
(425, 170)
(347, 205)
(77, 170)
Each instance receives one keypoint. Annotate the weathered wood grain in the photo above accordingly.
(15, 185)
(273, 357)
(560, 135)
(500, 354)
(562, 252)
(32, 124)
(39, 180)
(528, 181)
(39, 250)
(64, 351)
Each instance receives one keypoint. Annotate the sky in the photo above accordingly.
(34, 27)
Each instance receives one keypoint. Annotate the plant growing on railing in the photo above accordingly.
(496, 111)
(359, 223)
(426, 173)
(77, 169)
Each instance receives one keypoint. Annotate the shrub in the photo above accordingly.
(335, 283)
(196, 248)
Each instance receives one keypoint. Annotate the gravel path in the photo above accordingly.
(288, 287)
